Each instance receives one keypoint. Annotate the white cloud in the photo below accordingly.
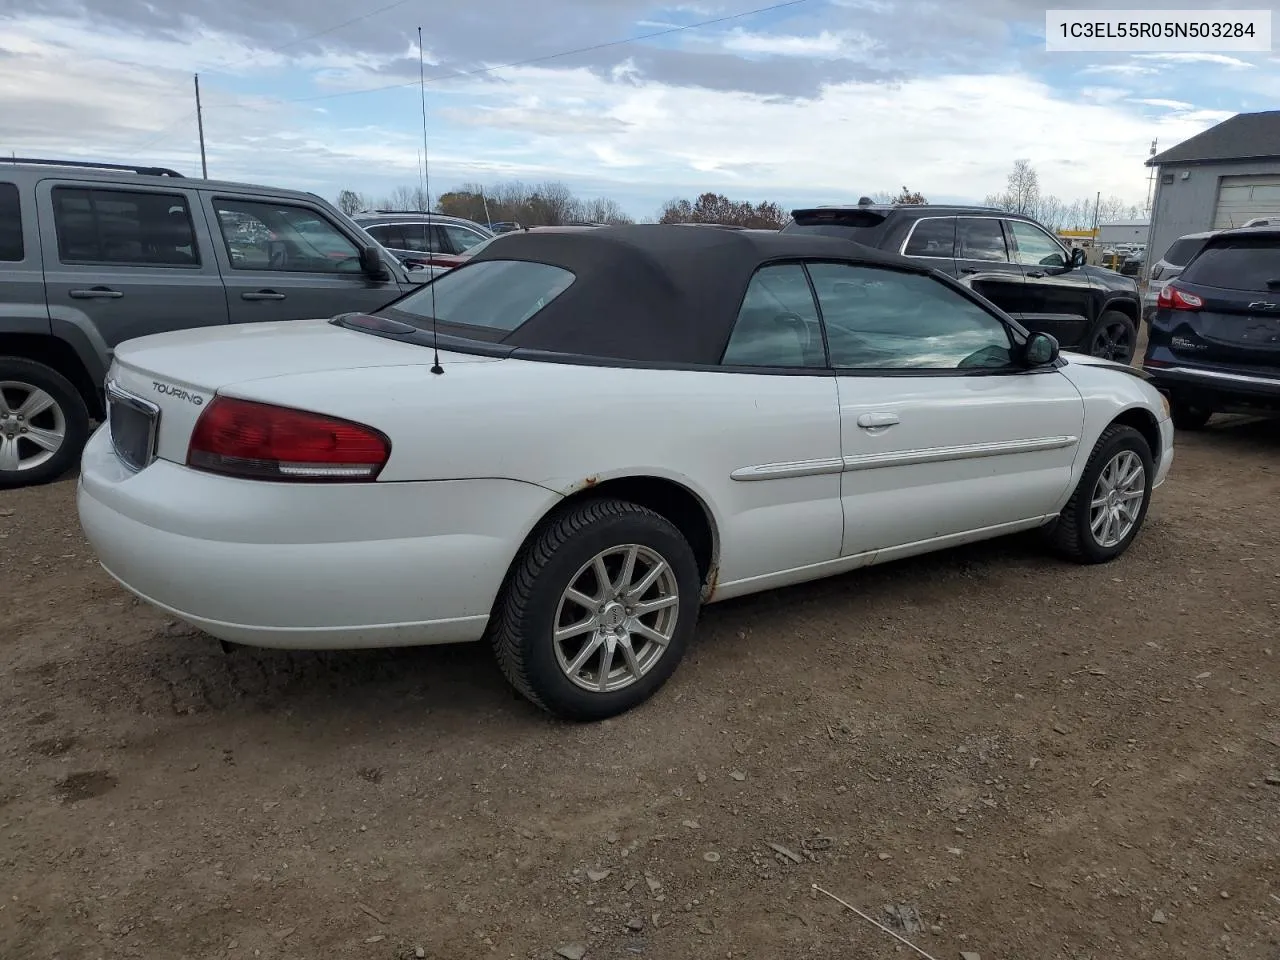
(1218, 58)
(824, 44)
(1122, 69)
(1167, 104)
(81, 92)
(1104, 94)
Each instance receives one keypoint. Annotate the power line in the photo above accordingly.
(542, 59)
(163, 132)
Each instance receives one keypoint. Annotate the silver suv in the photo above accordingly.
(431, 241)
(93, 254)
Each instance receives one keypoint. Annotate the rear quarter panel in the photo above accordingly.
(569, 427)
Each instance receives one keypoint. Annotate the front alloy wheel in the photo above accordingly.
(1109, 503)
(1117, 499)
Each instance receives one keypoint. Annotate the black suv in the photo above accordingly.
(1010, 259)
(1215, 338)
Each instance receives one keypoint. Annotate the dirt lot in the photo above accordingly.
(1045, 761)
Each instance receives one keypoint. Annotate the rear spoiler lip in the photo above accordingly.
(853, 216)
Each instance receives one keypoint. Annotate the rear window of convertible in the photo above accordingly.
(497, 295)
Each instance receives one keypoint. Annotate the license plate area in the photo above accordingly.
(132, 423)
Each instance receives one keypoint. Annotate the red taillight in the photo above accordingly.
(1173, 298)
(260, 441)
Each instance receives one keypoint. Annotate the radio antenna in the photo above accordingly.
(426, 185)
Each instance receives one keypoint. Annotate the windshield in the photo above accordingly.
(1251, 263)
(493, 295)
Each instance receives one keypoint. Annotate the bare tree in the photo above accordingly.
(1051, 211)
(1022, 190)
(603, 210)
(407, 198)
(350, 202)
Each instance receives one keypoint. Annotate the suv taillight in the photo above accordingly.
(1157, 272)
(260, 441)
(1172, 298)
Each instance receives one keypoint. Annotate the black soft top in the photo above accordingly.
(658, 292)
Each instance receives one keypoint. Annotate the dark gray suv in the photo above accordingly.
(94, 254)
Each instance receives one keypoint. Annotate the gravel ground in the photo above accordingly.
(1021, 758)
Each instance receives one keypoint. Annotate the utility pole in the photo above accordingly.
(1096, 204)
(1151, 178)
(204, 164)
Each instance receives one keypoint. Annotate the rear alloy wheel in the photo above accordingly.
(1113, 337)
(43, 423)
(1186, 417)
(598, 610)
(1109, 504)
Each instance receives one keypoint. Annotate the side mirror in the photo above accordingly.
(1040, 350)
(372, 265)
(1077, 258)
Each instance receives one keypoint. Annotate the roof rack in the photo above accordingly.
(91, 165)
(402, 213)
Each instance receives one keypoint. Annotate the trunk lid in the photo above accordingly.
(162, 383)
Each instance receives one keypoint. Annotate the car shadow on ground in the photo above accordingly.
(1226, 431)
(180, 671)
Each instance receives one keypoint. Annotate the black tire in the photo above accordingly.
(1187, 417)
(1113, 336)
(526, 612)
(69, 409)
(1071, 534)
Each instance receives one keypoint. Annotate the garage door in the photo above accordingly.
(1240, 199)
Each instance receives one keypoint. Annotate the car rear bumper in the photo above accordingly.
(308, 566)
(1214, 388)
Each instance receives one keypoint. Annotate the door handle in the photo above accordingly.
(95, 293)
(968, 269)
(1036, 274)
(262, 295)
(870, 421)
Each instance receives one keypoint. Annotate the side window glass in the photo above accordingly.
(1035, 247)
(778, 324)
(388, 236)
(460, 238)
(272, 236)
(981, 239)
(881, 319)
(10, 224)
(124, 227)
(416, 237)
(933, 237)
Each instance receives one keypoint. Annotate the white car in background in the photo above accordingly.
(620, 425)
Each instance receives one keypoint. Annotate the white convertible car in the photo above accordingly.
(572, 442)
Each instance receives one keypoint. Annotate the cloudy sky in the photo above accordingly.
(812, 101)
